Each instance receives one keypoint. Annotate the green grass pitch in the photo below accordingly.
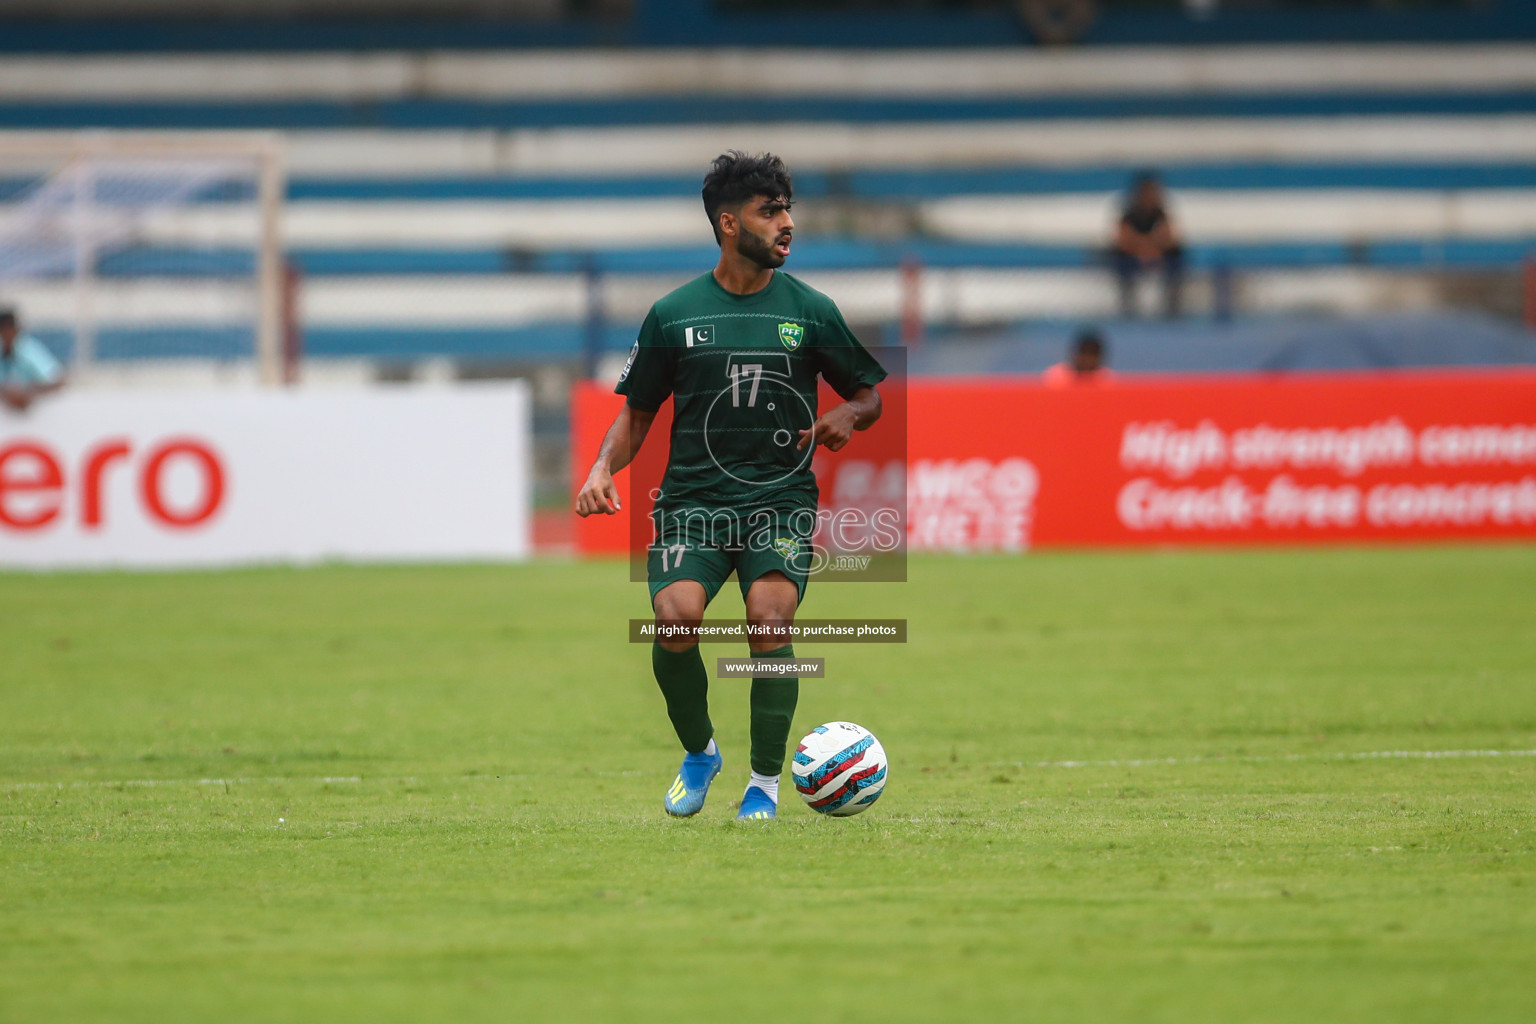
(441, 799)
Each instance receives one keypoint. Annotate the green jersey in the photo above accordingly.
(741, 370)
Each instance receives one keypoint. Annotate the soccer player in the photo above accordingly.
(27, 368)
(739, 350)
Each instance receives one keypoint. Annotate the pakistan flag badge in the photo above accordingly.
(787, 547)
(791, 335)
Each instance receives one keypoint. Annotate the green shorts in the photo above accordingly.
(708, 547)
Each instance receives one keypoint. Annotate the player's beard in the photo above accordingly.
(759, 251)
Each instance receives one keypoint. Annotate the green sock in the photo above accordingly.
(685, 685)
(773, 709)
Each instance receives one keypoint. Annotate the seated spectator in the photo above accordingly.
(1146, 241)
(27, 368)
(1084, 366)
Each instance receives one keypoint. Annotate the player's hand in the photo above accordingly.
(832, 430)
(599, 494)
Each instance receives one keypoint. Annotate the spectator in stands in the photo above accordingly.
(27, 368)
(1145, 240)
(1085, 363)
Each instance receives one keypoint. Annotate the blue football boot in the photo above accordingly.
(756, 806)
(686, 794)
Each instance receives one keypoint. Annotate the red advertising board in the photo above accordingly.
(1006, 464)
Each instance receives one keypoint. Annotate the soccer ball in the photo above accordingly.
(840, 768)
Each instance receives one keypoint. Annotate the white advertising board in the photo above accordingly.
(217, 478)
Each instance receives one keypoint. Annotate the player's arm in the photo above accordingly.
(1149, 247)
(1135, 244)
(20, 396)
(623, 440)
(836, 427)
(44, 375)
(38, 390)
(1163, 236)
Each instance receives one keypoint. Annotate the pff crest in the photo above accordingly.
(787, 547)
(791, 335)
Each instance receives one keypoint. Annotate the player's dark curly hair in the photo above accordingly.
(735, 177)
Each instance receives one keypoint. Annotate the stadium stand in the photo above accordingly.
(526, 206)
(480, 197)
(255, 25)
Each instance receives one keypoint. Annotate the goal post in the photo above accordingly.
(123, 246)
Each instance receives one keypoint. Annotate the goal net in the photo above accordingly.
(117, 249)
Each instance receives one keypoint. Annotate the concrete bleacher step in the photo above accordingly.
(547, 316)
(363, 76)
(418, 114)
(1352, 216)
(453, 204)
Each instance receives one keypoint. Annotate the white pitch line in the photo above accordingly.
(1369, 755)
(1150, 762)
